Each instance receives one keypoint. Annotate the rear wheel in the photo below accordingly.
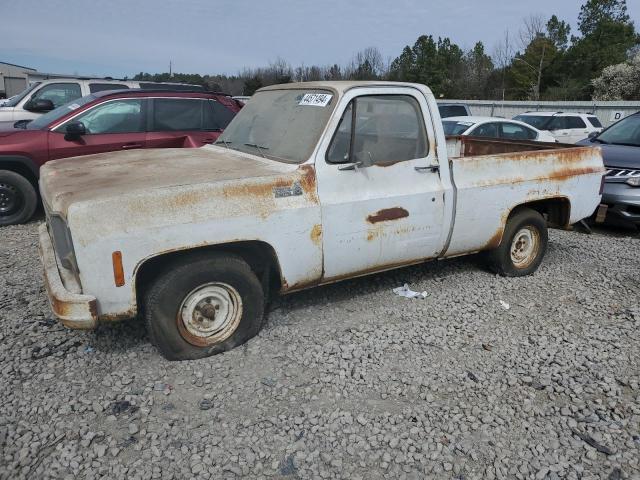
(203, 305)
(523, 245)
(18, 198)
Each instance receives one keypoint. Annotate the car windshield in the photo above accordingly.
(538, 121)
(15, 100)
(456, 128)
(50, 117)
(284, 125)
(625, 132)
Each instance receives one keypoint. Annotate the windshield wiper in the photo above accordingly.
(225, 143)
(258, 147)
(596, 139)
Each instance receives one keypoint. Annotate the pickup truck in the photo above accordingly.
(310, 183)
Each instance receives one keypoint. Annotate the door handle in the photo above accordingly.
(431, 168)
(127, 146)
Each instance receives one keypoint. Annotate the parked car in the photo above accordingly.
(566, 127)
(453, 110)
(293, 195)
(493, 127)
(620, 144)
(44, 96)
(103, 122)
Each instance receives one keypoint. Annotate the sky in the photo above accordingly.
(120, 38)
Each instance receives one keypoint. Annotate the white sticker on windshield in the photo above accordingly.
(73, 106)
(316, 99)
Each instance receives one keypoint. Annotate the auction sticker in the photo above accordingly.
(316, 99)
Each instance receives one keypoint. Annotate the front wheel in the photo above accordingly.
(18, 198)
(523, 246)
(203, 305)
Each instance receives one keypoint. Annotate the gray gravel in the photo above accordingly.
(346, 381)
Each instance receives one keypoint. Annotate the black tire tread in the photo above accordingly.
(30, 198)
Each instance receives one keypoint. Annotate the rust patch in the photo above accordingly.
(372, 235)
(256, 189)
(388, 214)
(316, 234)
(118, 269)
(494, 241)
(118, 317)
(308, 181)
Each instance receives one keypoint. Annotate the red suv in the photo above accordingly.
(103, 122)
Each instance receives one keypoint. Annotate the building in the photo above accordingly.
(14, 78)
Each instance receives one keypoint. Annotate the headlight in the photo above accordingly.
(62, 242)
(634, 182)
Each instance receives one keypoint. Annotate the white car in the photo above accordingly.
(566, 127)
(494, 127)
(42, 97)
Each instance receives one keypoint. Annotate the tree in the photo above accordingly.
(558, 32)
(607, 36)
(619, 82)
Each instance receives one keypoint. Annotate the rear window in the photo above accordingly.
(101, 87)
(453, 111)
(456, 128)
(595, 122)
(177, 114)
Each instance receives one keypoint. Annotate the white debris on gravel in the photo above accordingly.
(345, 381)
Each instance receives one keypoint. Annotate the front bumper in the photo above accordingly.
(74, 310)
(623, 201)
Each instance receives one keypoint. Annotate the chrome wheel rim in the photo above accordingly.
(209, 314)
(525, 247)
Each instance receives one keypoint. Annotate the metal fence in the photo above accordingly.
(607, 112)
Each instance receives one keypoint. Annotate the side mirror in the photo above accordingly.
(74, 131)
(593, 134)
(39, 105)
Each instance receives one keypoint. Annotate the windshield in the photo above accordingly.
(283, 125)
(456, 128)
(50, 117)
(13, 101)
(625, 132)
(537, 121)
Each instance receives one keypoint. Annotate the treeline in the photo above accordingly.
(543, 60)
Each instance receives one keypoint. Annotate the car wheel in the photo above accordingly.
(18, 198)
(523, 246)
(203, 305)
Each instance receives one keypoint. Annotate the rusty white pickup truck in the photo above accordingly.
(310, 184)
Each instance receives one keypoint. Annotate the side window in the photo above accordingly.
(575, 122)
(486, 130)
(388, 129)
(558, 123)
(517, 132)
(116, 116)
(101, 87)
(178, 114)
(217, 116)
(58, 93)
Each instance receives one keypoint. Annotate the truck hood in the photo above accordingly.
(116, 175)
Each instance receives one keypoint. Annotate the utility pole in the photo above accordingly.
(169, 68)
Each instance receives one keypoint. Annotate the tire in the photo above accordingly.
(513, 259)
(18, 198)
(183, 306)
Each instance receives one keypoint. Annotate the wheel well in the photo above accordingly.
(556, 211)
(20, 169)
(260, 256)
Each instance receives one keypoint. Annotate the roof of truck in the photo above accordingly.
(341, 86)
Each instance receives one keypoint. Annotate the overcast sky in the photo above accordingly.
(123, 37)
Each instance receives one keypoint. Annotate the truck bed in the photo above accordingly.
(492, 177)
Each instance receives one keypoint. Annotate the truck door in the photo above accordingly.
(379, 186)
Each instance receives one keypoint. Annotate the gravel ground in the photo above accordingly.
(346, 381)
